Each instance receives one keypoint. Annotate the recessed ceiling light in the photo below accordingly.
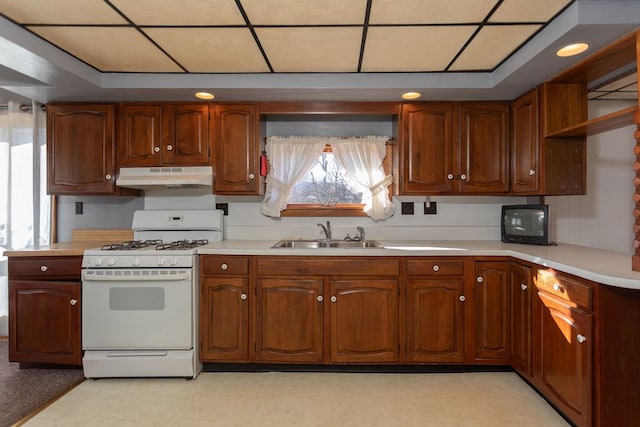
(204, 95)
(572, 49)
(411, 95)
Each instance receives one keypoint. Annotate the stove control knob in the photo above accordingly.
(160, 261)
(136, 261)
(111, 261)
(98, 261)
(174, 260)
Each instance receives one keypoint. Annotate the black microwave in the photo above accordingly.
(527, 224)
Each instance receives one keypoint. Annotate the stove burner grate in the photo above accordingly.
(132, 244)
(182, 244)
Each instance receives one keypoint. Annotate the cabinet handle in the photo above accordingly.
(334, 298)
(251, 176)
(558, 288)
(463, 177)
(107, 177)
(224, 266)
(450, 176)
(436, 268)
(531, 172)
(319, 298)
(156, 149)
(479, 279)
(581, 338)
(44, 268)
(243, 297)
(462, 298)
(73, 302)
(169, 147)
(523, 286)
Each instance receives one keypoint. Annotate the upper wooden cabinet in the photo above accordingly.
(81, 149)
(236, 150)
(164, 134)
(454, 148)
(540, 165)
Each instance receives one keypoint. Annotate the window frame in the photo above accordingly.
(342, 209)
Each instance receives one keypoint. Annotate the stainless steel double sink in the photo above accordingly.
(325, 244)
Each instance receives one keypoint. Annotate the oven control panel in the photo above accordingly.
(138, 261)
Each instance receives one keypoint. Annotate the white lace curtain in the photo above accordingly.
(291, 158)
(24, 205)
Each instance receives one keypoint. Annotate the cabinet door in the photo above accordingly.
(80, 149)
(435, 320)
(520, 283)
(491, 302)
(236, 150)
(426, 148)
(566, 358)
(224, 319)
(289, 318)
(525, 144)
(364, 320)
(140, 142)
(484, 148)
(44, 322)
(186, 134)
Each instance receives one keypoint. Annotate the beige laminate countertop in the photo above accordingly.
(606, 267)
(55, 249)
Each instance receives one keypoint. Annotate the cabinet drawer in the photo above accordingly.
(323, 266)
(225, 265)
(45, 268)
(435, 266)
(566, 287)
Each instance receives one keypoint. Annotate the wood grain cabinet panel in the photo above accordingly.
(81, 150)
(224, 319)
(492, 312)
(226, 301)
(289, 320)
(364, 320)
(435, 320)
(236, 149)
(164, 134)
(521, 283)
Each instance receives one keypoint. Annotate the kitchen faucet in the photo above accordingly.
(360, 233)
(326, 230)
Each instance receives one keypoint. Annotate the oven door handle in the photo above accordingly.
(129, 275)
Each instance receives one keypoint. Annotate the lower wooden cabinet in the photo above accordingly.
(289, 320)
(45, 310)
(492, 312)
(435, 310)
(364, 320)
(563, 344)
(521, 282)
(224, 308)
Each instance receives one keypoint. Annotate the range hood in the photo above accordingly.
(161, 176)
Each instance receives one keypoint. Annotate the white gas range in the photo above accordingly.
(140, 298)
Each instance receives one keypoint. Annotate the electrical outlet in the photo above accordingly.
(406, 208)
(224, 207)
(431, 208)
(79, 208)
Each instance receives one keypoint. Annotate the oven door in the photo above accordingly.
(127, 309)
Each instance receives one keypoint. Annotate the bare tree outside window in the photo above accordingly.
(326, 184)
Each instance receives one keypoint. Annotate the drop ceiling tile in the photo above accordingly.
(305, 12)
(492, 45)
(312, 49)
(60, 12)
(211, 50)
(429, 11)
(181, 12)
(109, 49)
(413, 49)
(528, 11)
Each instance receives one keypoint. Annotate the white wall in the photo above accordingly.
(603, 218)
